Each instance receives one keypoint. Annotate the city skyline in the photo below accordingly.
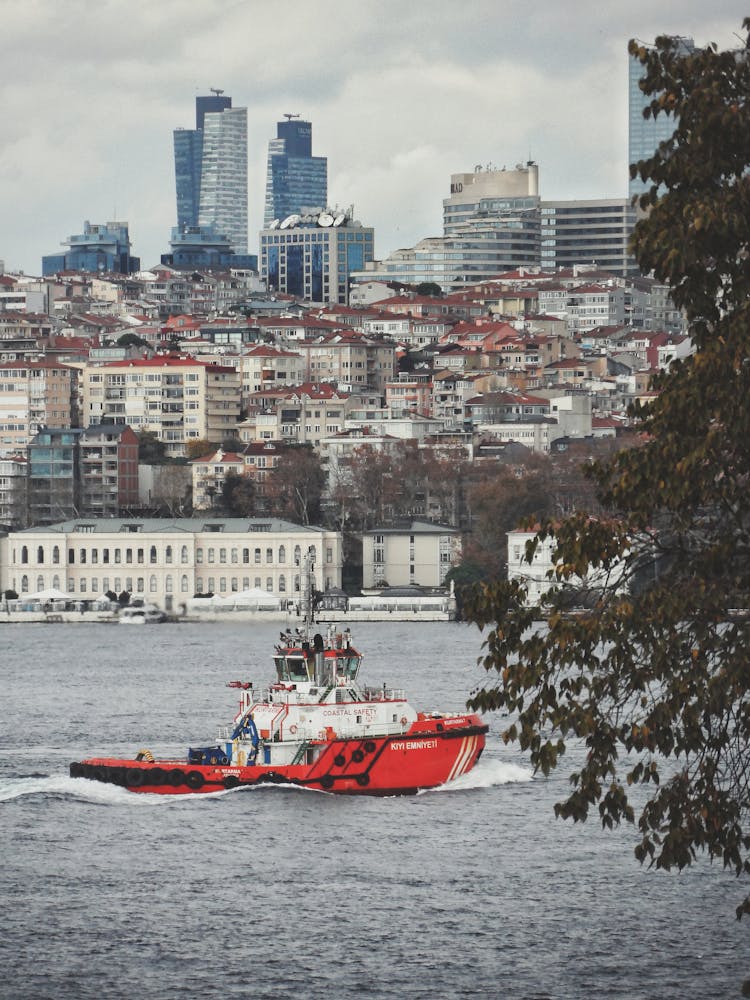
(400, 98)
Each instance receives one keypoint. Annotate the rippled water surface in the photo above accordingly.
(474, 890)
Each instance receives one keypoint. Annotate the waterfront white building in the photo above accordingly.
(167, 561)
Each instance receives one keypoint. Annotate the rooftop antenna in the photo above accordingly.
(215, 90)
(289, 116)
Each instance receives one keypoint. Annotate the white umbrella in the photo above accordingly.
(48, 595)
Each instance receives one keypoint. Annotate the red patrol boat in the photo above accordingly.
(315, 727)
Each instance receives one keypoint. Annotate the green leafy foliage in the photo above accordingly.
(654, 678)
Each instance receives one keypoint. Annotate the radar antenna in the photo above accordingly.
(215, 90)
(289, 116)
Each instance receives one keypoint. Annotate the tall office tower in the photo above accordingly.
(295, 179)
(589, 232)
(211, 170)
(645, 134)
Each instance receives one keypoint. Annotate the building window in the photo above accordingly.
(257, 556)
(269, 584)
(199, 555)
(235, 556)
(184, 583)
(168, 554)
(246, 556)
(152, 554)
(40, 556)
(95, 555)
(140, 585)
(141, 556)
(118, 556)
(282, 584)
(129, 556)
(152, 583)
(184, 554)
(168, 584)
(82, 556)
(56, 554)
(105, 555)
(222, 555)
(282, 555)
(269, 555)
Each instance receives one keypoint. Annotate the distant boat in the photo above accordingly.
(145, 614)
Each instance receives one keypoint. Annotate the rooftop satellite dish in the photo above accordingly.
(339, 219)
(274, 224)
(290, 220)
(324, 219)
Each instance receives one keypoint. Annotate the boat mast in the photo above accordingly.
(308, 591)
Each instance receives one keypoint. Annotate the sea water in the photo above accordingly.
(472, 890)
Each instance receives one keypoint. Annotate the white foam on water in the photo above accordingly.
(487, 774)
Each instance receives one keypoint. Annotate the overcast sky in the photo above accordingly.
(401, 94)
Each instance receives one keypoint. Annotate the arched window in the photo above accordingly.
(40, 554)
(282, 584)
(269, 584)
(55, 582)
(40, 583)
(282, 555)
(199, 586)
(184, 583)
(168, 584)
(184, 554)
(168, 554)
(140, 584)
(56, 554)
(24, 584)
(269, 555)
(297, 555)
(152, 584)
(24, 554)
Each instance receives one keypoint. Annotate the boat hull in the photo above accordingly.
(386, 765)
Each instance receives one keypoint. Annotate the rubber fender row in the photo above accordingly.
(358, 755)
(137, 777)
(327, 780)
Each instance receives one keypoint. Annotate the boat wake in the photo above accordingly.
(61, 786)
(486, 774)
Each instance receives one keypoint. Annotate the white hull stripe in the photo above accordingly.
(466, 752)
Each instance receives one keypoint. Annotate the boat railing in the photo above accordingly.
(385, 694)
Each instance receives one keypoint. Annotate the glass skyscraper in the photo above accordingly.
(645, 134)
(211, 170)
(295, 179)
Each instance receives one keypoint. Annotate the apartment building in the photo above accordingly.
(417, 553)
(177, 398)
(349, 359)
(33, 395)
